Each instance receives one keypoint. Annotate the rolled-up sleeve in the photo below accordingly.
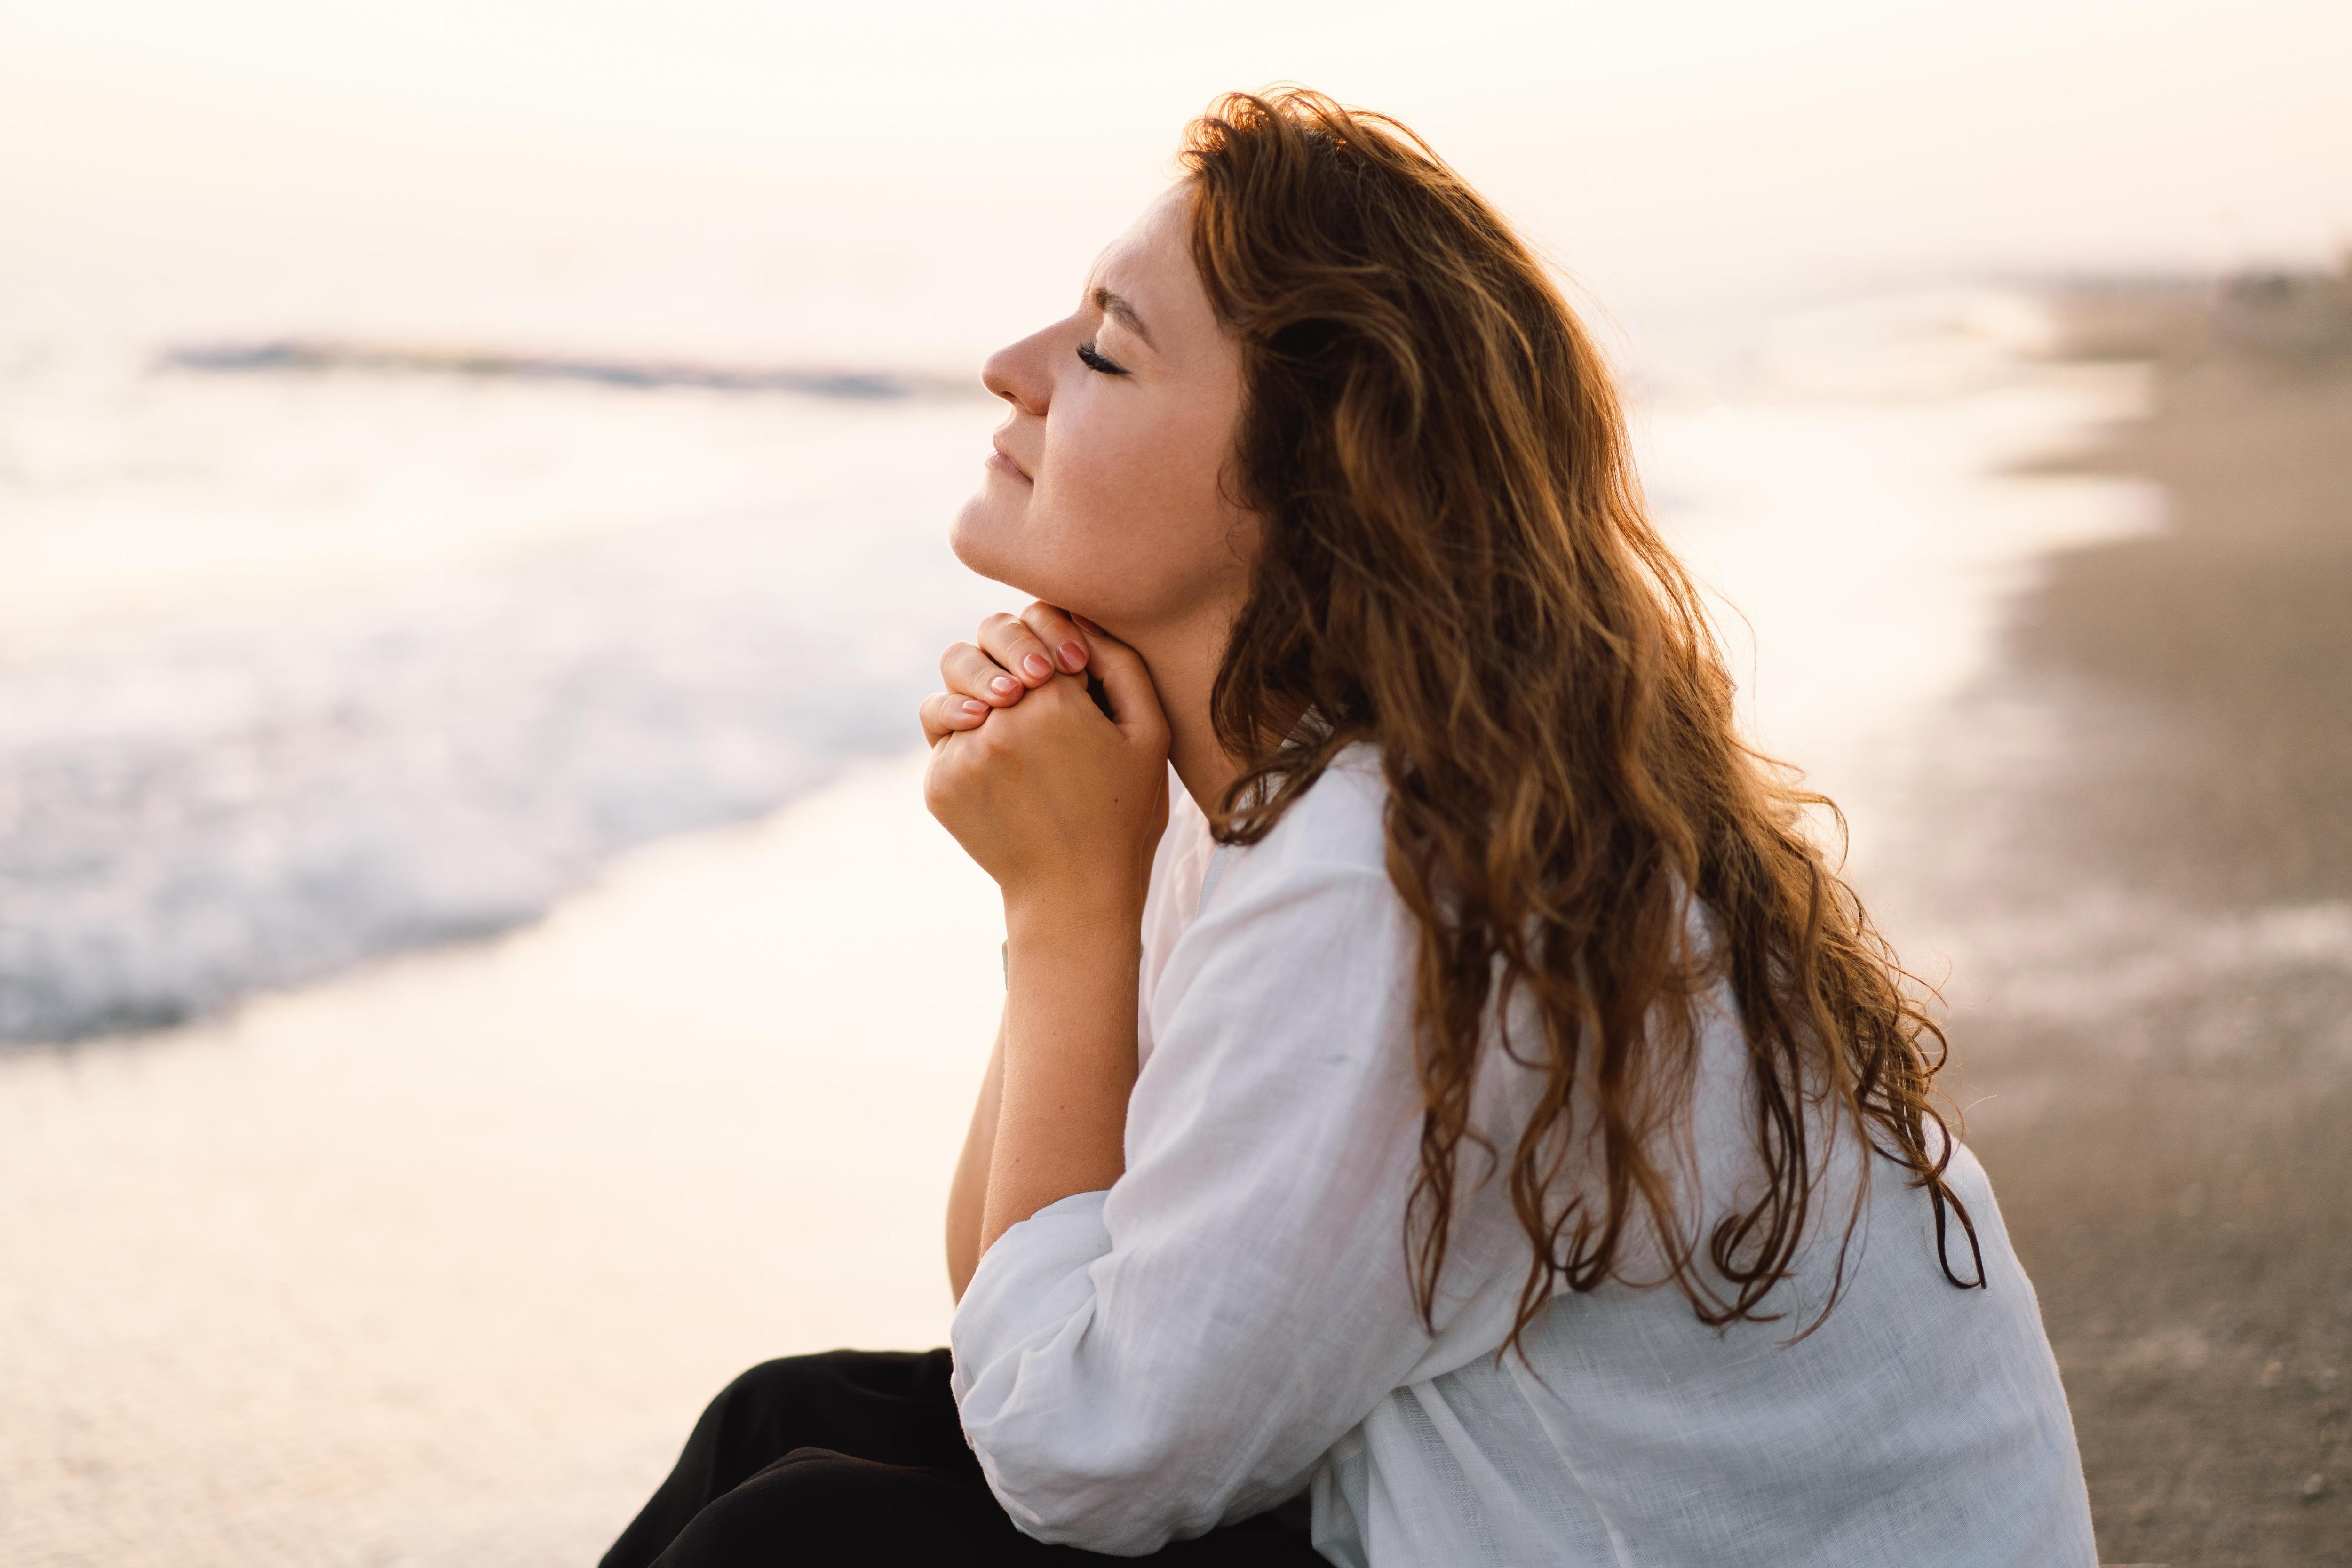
(1141, 1364)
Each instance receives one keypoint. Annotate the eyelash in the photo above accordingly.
(1093, 361)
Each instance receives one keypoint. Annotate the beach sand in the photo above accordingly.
(2141, 863)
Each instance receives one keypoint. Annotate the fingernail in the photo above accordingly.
(1003, 685)
(1035, 665)
(1074, 657)
(975, 708)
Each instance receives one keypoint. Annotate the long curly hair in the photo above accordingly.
(1456, 564)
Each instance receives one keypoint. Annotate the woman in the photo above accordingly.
(1466, 1102)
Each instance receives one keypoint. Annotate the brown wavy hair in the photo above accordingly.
(1456, 564)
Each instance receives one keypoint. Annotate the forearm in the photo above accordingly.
(1068, 1058)
(967, 1195)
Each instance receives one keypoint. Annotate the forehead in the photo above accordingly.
(1151, 265)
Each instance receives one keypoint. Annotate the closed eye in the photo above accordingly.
(1095, 362)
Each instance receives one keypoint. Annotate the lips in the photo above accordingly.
(1001, 458)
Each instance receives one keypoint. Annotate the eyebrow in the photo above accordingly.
(1112, 305)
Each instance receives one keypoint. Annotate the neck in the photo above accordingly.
(1183, 664)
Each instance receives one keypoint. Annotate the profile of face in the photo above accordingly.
(1104, 493)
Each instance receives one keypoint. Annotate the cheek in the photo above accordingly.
(1132, 505)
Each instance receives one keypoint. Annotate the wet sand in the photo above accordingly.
(2139, 856)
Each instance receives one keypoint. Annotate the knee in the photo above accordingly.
(892, 1373)
(780, 1396)
(764, 1413)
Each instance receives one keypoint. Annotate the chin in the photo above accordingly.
(998, 544)
(979, 540)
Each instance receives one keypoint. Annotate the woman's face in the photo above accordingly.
(1104, 494)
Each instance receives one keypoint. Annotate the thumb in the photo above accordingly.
(1127, 682)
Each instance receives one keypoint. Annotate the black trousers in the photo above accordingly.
(856, 1456)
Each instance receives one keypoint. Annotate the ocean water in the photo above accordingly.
(302, 666)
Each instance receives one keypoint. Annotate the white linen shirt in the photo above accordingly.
(1233, 1321)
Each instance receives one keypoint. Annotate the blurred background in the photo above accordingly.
(475, 973)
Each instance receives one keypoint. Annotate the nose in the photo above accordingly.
(1019, 373)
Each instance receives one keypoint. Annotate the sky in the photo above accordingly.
(911, 182)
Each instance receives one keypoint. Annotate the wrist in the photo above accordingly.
(1085, 914)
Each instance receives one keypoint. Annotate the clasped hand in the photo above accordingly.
(1060, 802)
